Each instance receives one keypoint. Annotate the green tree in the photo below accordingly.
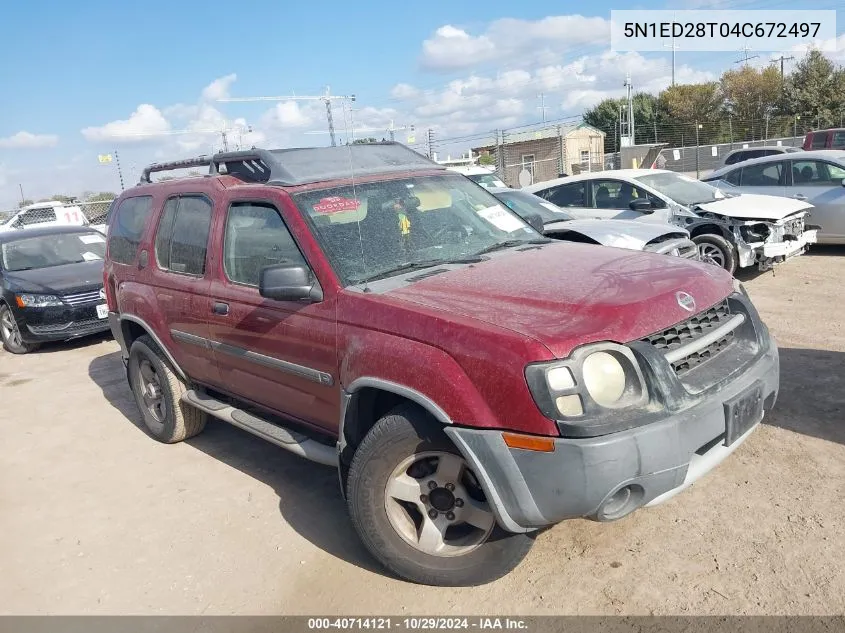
(363, 141)
(103, 196)
(815, 90)
(688, 105)
(486, 159)
(604, 116)
(61, 198)
(25, 203)
(750, 96)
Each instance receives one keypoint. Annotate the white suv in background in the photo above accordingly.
(487, 178)
(42, 214)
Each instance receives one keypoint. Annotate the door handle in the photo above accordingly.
(220, 308)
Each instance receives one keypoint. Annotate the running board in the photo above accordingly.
(294, 442)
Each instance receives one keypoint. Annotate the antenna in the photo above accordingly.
(326, 98)
(745, 50)
(542, 106)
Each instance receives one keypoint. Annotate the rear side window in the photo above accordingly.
(256, 237)
(818, 140)
(128, 228)
(574, 195)
(182, 236)
(838, 139)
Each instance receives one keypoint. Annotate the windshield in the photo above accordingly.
(524, 203)
(682, 189)
(46, 251)
(487, 180)
(390, 226)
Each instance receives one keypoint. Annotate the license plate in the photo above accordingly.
(742, 412)
(102, 311)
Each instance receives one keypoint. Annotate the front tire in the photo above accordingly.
(158, 394)
(11, 335)
(715, 249)
(420, 510)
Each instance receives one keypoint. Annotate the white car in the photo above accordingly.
(487, 178)
(731, 230)
(43, 214)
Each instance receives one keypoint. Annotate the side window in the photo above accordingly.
(182, 237)
(614, 194)
(732, 177)
(573, 195)
(816, 173)
(818, 140)
(256, 237)
(762, 175)
(128, 228)
(730, 160)
(838, 139)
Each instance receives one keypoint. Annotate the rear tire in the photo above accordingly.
(158, 394)
(405, 467)
(715, 249)
(11, 335)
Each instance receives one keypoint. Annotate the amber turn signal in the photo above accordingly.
(20, 302)
(529, 442)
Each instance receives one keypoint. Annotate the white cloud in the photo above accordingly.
(833, 49)
(147, 120)
(290, 114)
(219, 88)
(452, 48)
(403, 91)
(27, 140)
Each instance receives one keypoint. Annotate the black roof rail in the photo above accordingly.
(304, 165)
(199, 161)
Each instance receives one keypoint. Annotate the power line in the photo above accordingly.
(745, 50)
(782, 59)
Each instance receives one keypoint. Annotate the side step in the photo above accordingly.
(294, 442)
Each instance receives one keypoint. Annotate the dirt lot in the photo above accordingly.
(95, 517)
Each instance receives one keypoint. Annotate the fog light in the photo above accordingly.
(569, 406)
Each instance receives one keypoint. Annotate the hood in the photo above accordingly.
(620, 233)
(749, 206)
(568, 294)
(58, 280)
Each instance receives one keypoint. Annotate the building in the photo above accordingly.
(547, 152)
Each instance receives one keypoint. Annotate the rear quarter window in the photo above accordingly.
(818, 140)
(128, 228)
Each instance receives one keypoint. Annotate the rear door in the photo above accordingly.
(280, 355)
(820, 183)
(766, 178)
(179, 278)
(571, 196)
(613, 198)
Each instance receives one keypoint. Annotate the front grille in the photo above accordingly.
(67, 328)
(690, 330)
(82, 298)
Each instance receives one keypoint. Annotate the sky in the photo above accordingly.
(145, 81)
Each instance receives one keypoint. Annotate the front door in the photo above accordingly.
(280, 355)
(613, 198)
(820, 183)
(767, 179)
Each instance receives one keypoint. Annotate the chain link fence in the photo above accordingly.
(45, 214)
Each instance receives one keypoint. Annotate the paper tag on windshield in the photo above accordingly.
(91, 257)
(501, 219)
(92, 239)
(336, 204)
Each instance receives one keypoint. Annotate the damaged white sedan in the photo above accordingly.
(731, 230)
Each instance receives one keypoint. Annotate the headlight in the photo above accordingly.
(595, 379)
(37, 301)
(604, 378)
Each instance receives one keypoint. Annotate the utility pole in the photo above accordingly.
(20, 186)
(327, 98)
(626, 123)
(782, 59)
(542, 106)
(745, 50)
(697, 164)
(674, 47)
(119, 171)
(430, 142)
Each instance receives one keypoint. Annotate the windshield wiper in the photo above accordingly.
(498, 246)
(425, 263)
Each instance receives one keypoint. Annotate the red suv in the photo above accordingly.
(472, 381)
(833, 138)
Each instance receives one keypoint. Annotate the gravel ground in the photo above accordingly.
(97, 518)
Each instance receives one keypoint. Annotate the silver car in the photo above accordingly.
(747, 153)
(732, 230)
(815, 177)
(554, 222)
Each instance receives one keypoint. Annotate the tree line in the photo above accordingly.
(745, 104)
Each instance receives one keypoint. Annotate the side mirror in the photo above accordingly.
(535, 220)
(287, 282)
(642, 205)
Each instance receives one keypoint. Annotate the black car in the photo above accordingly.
(52, 286)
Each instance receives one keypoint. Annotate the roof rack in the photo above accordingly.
(304, 165)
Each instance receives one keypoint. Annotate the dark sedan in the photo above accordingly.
(52, 286)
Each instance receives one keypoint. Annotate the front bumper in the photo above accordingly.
(59, 323)
(651, 463)
(792, 247)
